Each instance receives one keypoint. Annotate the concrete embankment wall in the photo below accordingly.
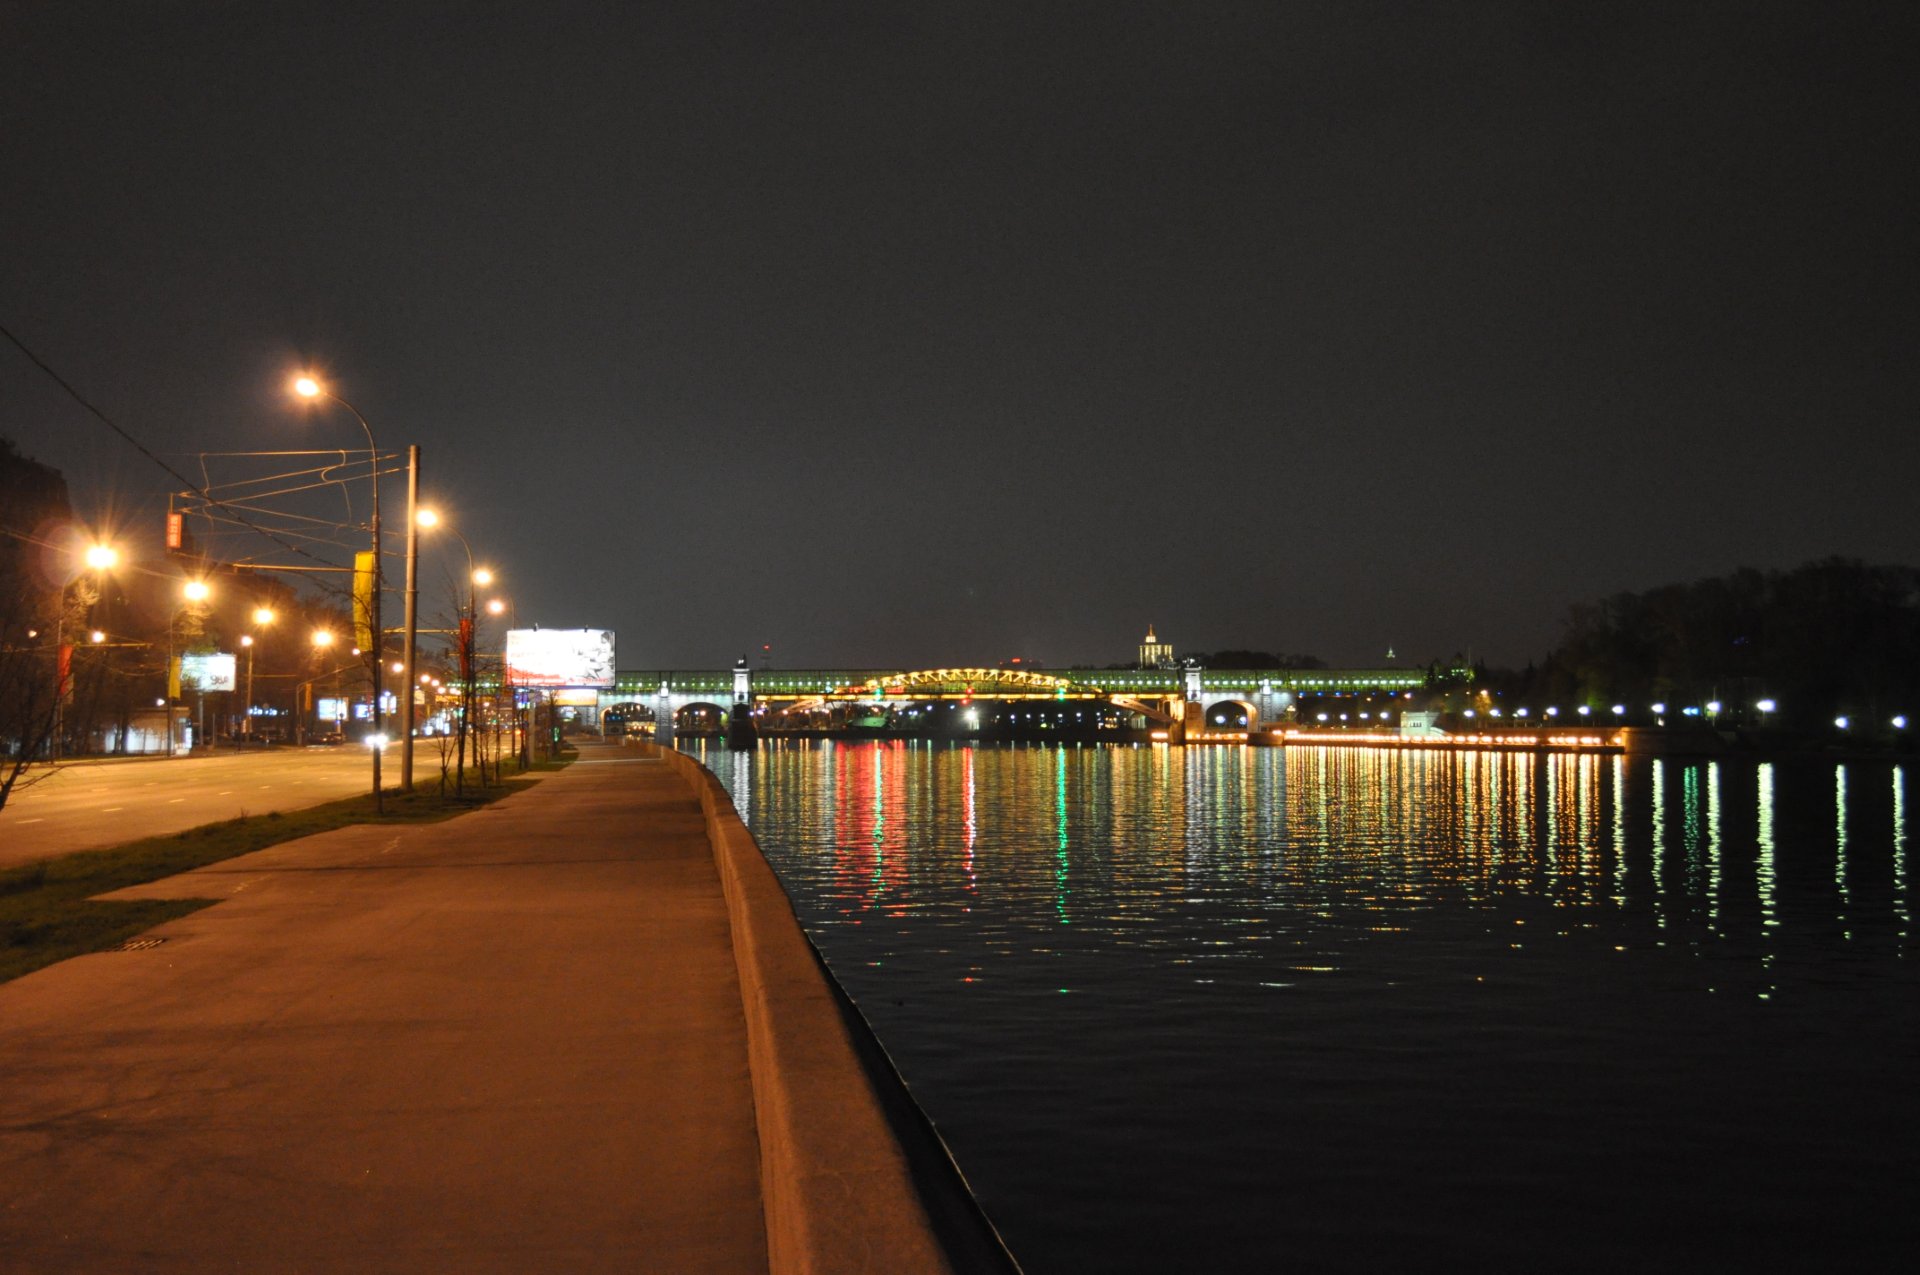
(849, 1183)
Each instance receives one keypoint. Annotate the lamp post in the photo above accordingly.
(322, 641)
(466, 634)
(262, 616)
(193, 591)
(99, 559)
(309, 388)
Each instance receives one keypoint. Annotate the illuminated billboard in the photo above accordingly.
(213, 672)
(584, 698)
(560, 657)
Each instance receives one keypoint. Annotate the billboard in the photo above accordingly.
(560, 657)
(213, 672)
(577, 698)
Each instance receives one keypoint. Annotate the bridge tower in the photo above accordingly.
(742, 733)
(663, 715)
(1269, 703)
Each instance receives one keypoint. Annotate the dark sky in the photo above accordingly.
(939, 333)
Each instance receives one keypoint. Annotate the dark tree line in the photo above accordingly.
(33, 509)
(1836, 636)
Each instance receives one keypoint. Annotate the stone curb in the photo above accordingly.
(838, 1191)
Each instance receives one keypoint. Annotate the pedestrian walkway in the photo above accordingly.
(508, 1042)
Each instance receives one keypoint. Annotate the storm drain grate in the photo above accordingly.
(137, 945)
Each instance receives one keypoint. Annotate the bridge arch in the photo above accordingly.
(980, 683)
(626, 717)
(700, 717)
(1230, 714)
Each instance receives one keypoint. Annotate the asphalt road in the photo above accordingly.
(85, 805)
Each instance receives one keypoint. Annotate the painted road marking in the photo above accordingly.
(27, 821)
(176, 801)
(107, 810)
(227, 793)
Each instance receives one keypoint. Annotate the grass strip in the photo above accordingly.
(48, 912)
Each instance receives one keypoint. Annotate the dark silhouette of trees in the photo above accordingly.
(34, 602)
(1835, 636)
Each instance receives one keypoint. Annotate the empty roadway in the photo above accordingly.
(84, 805)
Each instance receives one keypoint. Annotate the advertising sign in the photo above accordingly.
(363, 601)
(560, 657)
(588, 698)
(212, 672)
(332, 708)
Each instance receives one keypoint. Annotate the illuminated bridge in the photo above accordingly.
(1159, 695)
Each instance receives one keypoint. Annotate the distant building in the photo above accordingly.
(1154, 653)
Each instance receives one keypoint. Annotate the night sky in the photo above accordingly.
(923, 334)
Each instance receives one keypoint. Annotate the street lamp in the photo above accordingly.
(194, 591)
(99, 558)
(262, 616)
(477, 577)
(321, 640)
(309, 388)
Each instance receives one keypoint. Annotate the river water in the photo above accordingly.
(1229, 1009)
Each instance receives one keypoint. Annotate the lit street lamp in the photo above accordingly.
(309, 388)
(262, 616)
(194, 591)
(99, 559)
(468, 629)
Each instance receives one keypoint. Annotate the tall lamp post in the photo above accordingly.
(99, 559)
(309, 388)
(262, 617)
(194, 591)
(468, 629)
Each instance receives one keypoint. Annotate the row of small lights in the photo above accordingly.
(1712, 709)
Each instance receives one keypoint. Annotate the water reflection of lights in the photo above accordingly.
(1296, 841)
(1375, 739)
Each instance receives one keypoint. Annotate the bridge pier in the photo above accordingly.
(742, 732)
(663, 716)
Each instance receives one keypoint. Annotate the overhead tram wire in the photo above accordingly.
(142, 448)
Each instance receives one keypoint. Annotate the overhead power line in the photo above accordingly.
(142, 448)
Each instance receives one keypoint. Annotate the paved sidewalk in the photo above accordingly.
(508, 1042)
